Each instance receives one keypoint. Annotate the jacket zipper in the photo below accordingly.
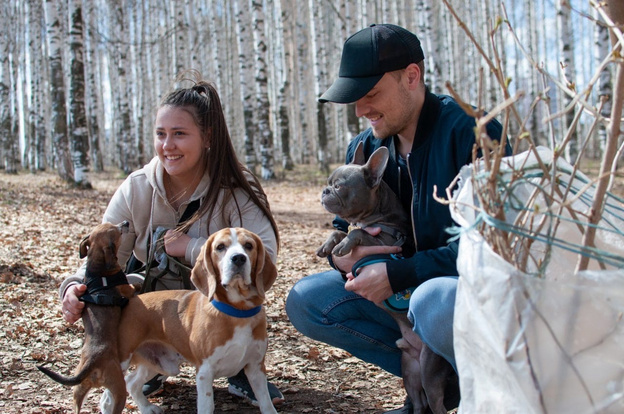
(409, 174)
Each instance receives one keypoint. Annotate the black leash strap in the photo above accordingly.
(150, 281)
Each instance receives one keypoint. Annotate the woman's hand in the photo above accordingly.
(71, 306)
(176, 243)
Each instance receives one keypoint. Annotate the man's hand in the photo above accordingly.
(346, 262)
(372, 280)
(176, 243)
(371, 283)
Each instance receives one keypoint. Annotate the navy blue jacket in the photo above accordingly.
(442, 145)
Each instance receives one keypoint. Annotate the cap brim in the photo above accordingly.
(347, 90)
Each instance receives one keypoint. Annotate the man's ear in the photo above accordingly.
(376, 166)
(414, 75)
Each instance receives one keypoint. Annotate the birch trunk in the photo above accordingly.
(5, 108)
(78, 136)
(263, 105)
(605, 90)
(126, 150)
(533, 85)
(568, 73)
(283, 74)
(316, 17)
(430, 45)
(36, 123)
(93, 83)
(57, 86)
(243, 39)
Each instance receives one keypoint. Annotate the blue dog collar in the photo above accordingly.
(235, 312)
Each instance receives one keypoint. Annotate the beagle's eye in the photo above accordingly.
(221, 247)
(248, 246)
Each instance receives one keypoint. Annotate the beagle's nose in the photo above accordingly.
(239, 259)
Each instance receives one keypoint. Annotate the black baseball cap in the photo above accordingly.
(367, 56)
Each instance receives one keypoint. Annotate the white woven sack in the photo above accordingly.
(527, 344)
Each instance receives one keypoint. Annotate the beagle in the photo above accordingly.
(107, 293)
(220, 328)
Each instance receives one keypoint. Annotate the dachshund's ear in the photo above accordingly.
(203, 275)
(84, 247)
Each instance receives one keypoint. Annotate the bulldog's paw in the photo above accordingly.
(327, 248)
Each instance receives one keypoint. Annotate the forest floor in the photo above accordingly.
(42, 221)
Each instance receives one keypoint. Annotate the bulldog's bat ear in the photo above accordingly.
(376, 165)
(358, 157)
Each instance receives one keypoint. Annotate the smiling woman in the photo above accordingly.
(195, 169)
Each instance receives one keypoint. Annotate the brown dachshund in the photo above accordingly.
(107, 292)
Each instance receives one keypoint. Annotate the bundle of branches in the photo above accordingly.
(536, 208)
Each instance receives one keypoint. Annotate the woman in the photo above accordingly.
(195, 162)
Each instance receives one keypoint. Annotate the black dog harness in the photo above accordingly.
(101, 290)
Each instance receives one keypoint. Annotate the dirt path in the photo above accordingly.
(41, 224)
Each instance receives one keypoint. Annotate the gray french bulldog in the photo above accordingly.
(356, 193)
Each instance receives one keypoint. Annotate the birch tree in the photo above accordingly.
(94, 91)
(242, 37)
(57, 87)
(283, 73)
(262, 97)
(601, 52)
(126, 145)
(316, 19)
(568, 72)
(78, 134)
(5, 98)
(36, 125)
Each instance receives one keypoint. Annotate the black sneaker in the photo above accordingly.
(154, 386)
(239, 386)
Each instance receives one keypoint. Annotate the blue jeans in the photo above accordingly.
(320, 308)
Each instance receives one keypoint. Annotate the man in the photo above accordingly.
(430, 138)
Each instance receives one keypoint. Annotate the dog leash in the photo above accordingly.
(398, 302)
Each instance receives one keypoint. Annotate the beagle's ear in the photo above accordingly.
(203, 274)
(269, 273)
(266, 272)
(84, 247)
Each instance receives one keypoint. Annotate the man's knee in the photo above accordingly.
(432, 307)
